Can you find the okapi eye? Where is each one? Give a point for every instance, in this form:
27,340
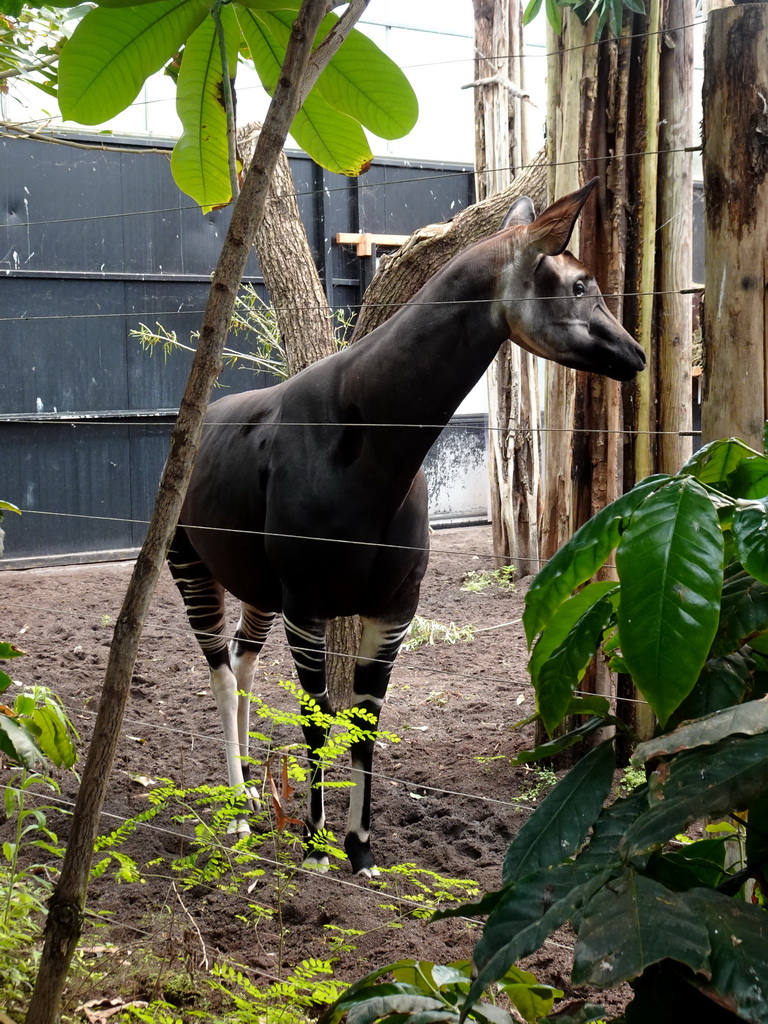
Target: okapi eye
578,288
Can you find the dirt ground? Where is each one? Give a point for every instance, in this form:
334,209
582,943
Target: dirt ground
445,798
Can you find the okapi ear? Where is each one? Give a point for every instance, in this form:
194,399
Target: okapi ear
520,213
551,231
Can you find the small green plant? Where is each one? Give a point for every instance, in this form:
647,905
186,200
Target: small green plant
252,317
423,991
25,882
477,580
427,631
419,892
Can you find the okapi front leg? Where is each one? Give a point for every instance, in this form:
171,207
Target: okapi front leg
379,645
307,642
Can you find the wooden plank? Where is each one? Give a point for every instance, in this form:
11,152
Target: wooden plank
365,240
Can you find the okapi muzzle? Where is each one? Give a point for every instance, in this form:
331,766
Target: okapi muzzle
308,499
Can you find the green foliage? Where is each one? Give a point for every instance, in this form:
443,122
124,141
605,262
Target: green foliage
252,317
118,45
650,901
424,991
608,13
36,727
691,607
28,871
477,580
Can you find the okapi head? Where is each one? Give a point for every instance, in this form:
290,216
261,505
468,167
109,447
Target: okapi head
551,301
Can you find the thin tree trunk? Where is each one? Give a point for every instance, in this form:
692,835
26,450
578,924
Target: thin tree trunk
572,74
67,903
675,214
513,401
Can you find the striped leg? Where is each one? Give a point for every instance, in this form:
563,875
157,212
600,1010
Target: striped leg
379,645
306,639
204,603
251,633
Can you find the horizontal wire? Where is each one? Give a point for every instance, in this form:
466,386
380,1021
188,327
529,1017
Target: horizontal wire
438,176
281,536
259,858
186,632
137,419
24,318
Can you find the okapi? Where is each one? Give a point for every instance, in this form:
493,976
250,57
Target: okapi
308,498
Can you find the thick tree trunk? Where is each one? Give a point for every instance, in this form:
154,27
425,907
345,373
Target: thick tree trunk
295,289
736,191
67,903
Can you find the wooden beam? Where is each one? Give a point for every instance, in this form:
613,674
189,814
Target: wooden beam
365,241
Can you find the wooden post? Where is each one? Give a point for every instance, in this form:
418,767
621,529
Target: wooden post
735,325
675,234
513,404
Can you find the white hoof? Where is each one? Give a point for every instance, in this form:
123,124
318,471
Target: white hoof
239,827
321,864
368,872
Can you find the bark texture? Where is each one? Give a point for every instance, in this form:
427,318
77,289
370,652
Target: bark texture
736,225
513,398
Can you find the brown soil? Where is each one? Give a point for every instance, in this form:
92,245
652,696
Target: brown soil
445,797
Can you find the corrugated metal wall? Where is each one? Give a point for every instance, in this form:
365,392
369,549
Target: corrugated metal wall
95,241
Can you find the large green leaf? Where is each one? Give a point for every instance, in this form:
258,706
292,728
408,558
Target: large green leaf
738,961
714,462
559,825
329,136
670,564
610,827
113,51
200,160
579,558
702,783
360,80
743,611
723,682
18,744
691,866
53,737
747,719
527,913
750,534
566,647
750,478
634,922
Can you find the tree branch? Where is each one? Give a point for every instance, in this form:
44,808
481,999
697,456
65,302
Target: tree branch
331,44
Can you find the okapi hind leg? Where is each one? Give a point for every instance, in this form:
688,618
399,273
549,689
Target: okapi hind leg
379,645
306,638
204,603
250,636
